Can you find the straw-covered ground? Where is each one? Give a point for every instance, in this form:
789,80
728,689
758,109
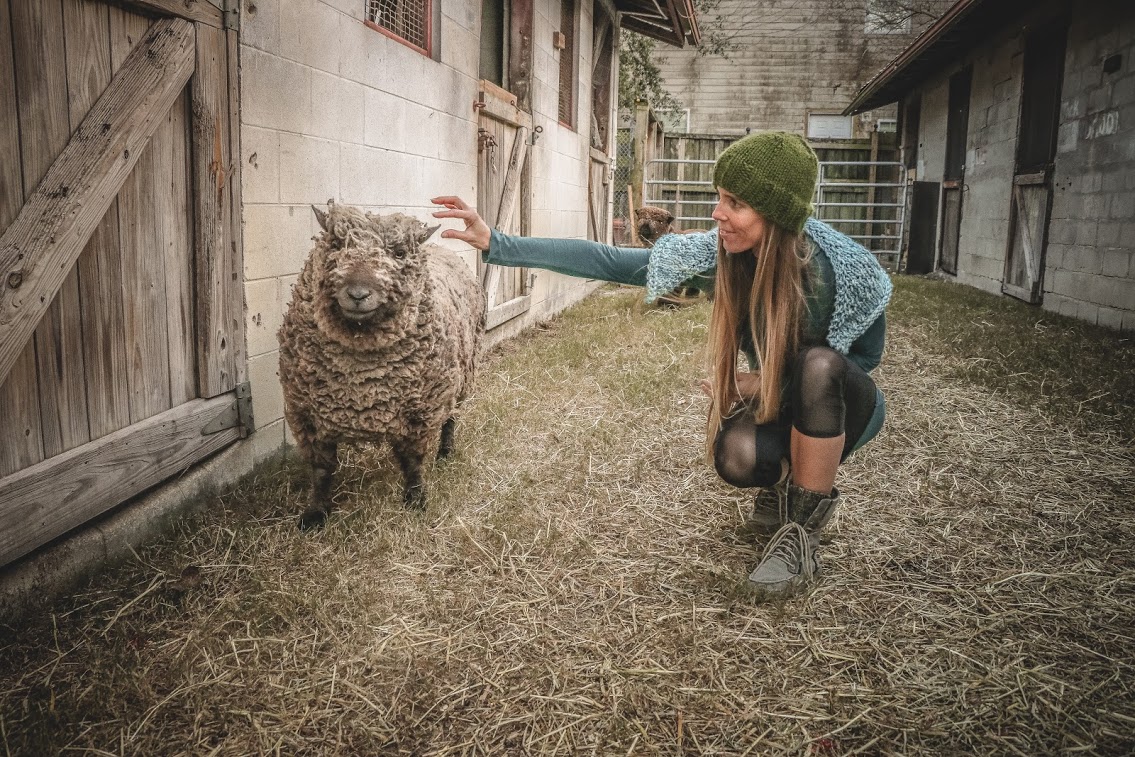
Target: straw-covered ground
573,587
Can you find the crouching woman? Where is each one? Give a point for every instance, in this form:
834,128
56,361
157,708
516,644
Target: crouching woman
804,304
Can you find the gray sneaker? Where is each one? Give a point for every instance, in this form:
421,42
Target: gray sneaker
791,561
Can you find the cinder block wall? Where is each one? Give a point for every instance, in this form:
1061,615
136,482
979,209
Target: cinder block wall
1090,267
991,145
334,110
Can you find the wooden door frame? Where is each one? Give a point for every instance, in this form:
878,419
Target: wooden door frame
501,106
191,43
954,183
1034,294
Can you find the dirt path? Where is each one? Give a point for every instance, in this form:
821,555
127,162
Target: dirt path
572,588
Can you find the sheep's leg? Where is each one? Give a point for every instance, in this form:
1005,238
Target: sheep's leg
446,447
324,463
414,491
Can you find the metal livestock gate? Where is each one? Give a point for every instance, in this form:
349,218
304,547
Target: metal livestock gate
864,199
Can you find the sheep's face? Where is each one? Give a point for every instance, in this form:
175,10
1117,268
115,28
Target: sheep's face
373,265
653,223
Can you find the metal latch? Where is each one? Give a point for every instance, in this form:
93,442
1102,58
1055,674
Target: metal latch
238,414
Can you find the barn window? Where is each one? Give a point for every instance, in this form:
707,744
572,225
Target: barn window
408,21
567,62
888,17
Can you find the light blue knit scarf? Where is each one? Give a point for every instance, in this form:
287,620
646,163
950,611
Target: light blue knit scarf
862,287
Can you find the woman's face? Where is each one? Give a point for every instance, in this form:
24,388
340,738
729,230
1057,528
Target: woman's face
741,228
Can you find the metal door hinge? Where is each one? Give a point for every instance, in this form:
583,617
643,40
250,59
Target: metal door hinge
237,415
232,15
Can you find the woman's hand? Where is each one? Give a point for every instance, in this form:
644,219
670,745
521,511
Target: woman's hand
476,231
748,387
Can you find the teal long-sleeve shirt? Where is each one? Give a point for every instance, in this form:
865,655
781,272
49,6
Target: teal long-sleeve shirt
627,265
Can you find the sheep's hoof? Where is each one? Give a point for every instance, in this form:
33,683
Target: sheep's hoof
414,499
313,519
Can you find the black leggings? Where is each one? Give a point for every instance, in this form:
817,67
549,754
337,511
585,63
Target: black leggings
828,395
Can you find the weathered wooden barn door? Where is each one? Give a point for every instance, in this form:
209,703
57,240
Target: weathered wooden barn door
121,323
1031,202
504,125
501,180
953,180
599,174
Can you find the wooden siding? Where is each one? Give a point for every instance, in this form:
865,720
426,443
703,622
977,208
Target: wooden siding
791,56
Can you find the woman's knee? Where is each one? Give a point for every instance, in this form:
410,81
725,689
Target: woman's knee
747,455
819,366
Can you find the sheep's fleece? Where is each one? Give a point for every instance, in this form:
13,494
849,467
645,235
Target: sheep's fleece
395,371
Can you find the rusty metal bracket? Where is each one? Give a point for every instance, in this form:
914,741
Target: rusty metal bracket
231,15
237,415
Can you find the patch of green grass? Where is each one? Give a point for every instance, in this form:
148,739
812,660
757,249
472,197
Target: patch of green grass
1075,371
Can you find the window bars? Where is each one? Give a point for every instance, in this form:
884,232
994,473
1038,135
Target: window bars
408,20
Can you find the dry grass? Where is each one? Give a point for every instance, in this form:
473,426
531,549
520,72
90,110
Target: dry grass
572,588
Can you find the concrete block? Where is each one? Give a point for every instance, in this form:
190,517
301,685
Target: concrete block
309,34
1109,317
1087,311
1109,234
260,174
1128,320
267,396
277,239
1068,138
1096,206
336,108
364,173
360,60
1083,259
263,315
309,169
457,139
424,133
1099,98
260,25
385,123
1122,206
461,48
1061,232
1058,303
275,93
1116,263
1123,91
1117,293
1086,232
349,8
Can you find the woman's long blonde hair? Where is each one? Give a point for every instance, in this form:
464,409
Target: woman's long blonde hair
763,290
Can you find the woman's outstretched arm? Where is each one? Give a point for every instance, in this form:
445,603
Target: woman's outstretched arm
573,257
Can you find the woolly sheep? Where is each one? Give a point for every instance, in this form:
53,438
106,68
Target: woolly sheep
379,344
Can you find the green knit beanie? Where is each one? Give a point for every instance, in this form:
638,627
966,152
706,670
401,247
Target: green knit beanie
775,172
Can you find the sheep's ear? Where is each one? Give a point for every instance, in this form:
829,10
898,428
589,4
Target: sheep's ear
321,216
424,232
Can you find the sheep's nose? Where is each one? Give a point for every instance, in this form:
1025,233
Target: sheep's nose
358,293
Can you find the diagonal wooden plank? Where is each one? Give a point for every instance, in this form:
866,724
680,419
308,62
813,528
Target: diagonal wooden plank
509,194
203,11
40,247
